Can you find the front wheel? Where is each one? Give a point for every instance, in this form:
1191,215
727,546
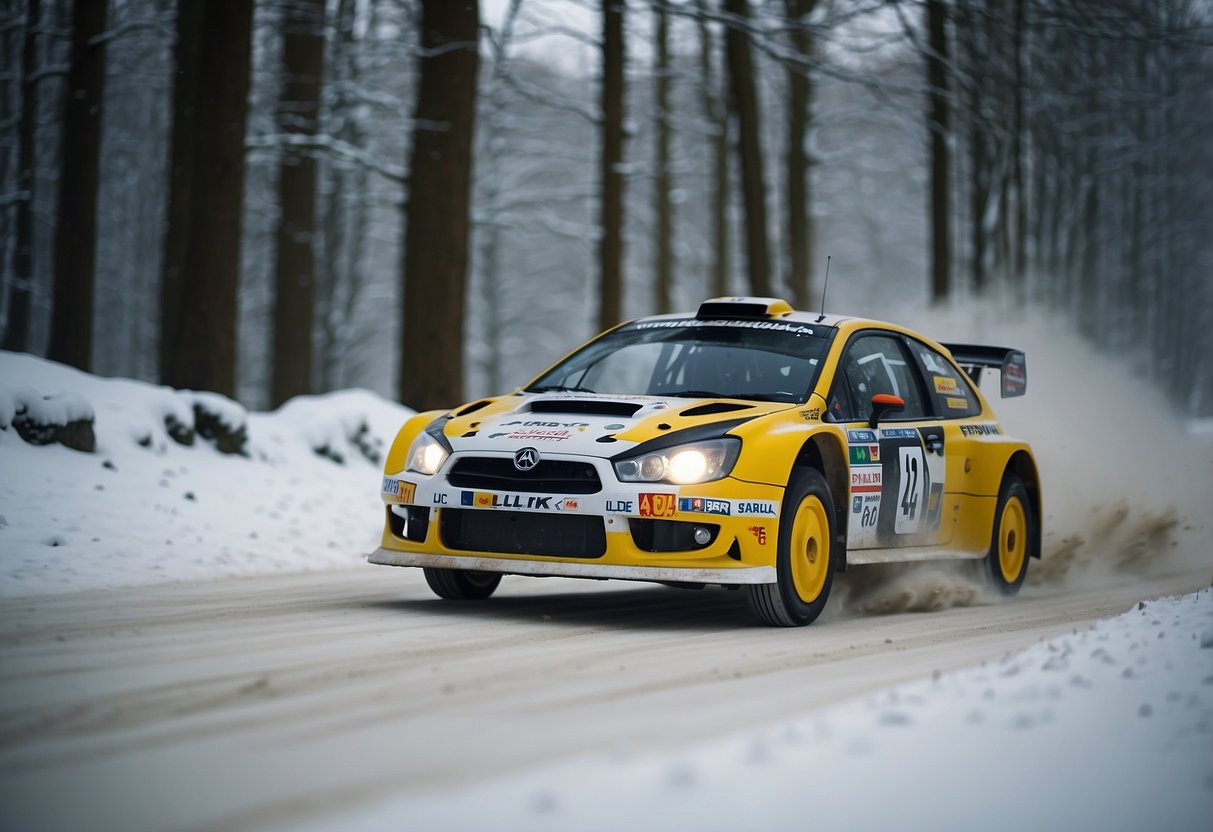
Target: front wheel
804,564
461,584
1012,540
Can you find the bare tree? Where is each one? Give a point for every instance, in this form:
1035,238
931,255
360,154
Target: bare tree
436,230
749,145
938,119
79,178
716,110
610,247
295,265
16,333
663,266
202,244
799,218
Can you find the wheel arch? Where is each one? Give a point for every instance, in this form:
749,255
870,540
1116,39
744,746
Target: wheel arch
1022,465
824,453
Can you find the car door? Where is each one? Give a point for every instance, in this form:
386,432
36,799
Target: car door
898,467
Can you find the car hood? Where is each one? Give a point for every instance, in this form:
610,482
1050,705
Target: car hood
588,424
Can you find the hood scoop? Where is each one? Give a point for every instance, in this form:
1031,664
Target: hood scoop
590,406
713,408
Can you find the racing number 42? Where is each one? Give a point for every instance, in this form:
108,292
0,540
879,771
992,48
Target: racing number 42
912,484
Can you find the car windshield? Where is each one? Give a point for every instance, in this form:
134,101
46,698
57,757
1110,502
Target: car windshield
773,361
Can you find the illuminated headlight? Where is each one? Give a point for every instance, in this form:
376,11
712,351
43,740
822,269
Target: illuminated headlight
426,455
684,464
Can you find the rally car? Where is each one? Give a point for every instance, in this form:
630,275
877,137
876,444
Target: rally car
745,445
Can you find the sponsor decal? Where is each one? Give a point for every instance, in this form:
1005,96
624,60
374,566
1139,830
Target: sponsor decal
868,510
534,424
779,326
946,386
957,404
856,504
540,434
401,490
861,436
985,429
619,507
813,414
756,508
898,433
864,454
760,534
658,505
532,502
704,505
568,504
439,499
866,479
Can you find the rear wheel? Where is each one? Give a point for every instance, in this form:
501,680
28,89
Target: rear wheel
1012,541
461,584
804,566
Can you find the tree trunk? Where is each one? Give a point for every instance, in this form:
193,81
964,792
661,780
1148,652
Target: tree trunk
749,146
662,207
295,268
716,111
610,247
16,332
800,219
202,244
1019,263
938,124
436,231
71,340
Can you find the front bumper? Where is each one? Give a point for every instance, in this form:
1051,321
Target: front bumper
643,532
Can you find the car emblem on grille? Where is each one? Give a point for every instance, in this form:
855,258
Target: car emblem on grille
526,459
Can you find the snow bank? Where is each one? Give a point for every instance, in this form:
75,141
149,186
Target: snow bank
145,508
1109,728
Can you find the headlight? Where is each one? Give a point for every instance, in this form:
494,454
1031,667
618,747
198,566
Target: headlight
683,464
426,454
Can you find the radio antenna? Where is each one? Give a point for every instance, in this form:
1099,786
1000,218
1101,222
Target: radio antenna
823,291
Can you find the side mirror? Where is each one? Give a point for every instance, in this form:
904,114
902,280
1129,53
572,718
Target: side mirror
882,405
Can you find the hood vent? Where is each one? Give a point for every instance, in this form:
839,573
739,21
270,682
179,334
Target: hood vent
599,408
713,408
472,408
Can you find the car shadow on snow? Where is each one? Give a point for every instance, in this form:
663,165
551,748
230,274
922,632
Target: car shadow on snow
640,608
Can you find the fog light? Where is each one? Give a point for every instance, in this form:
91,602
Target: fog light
701,535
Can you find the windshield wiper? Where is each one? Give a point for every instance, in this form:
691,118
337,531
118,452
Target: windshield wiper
713,394
559,388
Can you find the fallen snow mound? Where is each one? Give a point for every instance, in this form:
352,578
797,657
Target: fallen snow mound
299,493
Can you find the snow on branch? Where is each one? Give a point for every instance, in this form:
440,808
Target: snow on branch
329,146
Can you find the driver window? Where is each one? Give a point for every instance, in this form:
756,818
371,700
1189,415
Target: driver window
874,364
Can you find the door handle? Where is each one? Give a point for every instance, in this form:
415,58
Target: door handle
934,443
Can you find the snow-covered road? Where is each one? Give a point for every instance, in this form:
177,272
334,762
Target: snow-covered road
269,702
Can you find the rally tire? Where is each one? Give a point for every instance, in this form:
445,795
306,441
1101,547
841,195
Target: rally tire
1013,540
461,584
803,563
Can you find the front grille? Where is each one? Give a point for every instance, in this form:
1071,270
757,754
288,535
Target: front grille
550,476
522,533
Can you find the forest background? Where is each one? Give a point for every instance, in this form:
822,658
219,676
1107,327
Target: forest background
434,200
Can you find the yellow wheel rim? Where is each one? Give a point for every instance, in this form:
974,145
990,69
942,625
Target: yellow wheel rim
810,548
1012,540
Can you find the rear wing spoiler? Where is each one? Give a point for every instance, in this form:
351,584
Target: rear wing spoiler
1011,363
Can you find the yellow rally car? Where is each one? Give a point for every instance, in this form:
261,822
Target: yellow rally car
747,445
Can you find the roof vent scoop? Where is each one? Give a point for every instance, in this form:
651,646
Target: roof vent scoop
734,309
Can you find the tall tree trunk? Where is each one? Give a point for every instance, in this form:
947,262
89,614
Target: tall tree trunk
610,247
436,231
202,244
1019,262
16,332
749,141
295,267
717,113
800,227
663,208
71,338
938,119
